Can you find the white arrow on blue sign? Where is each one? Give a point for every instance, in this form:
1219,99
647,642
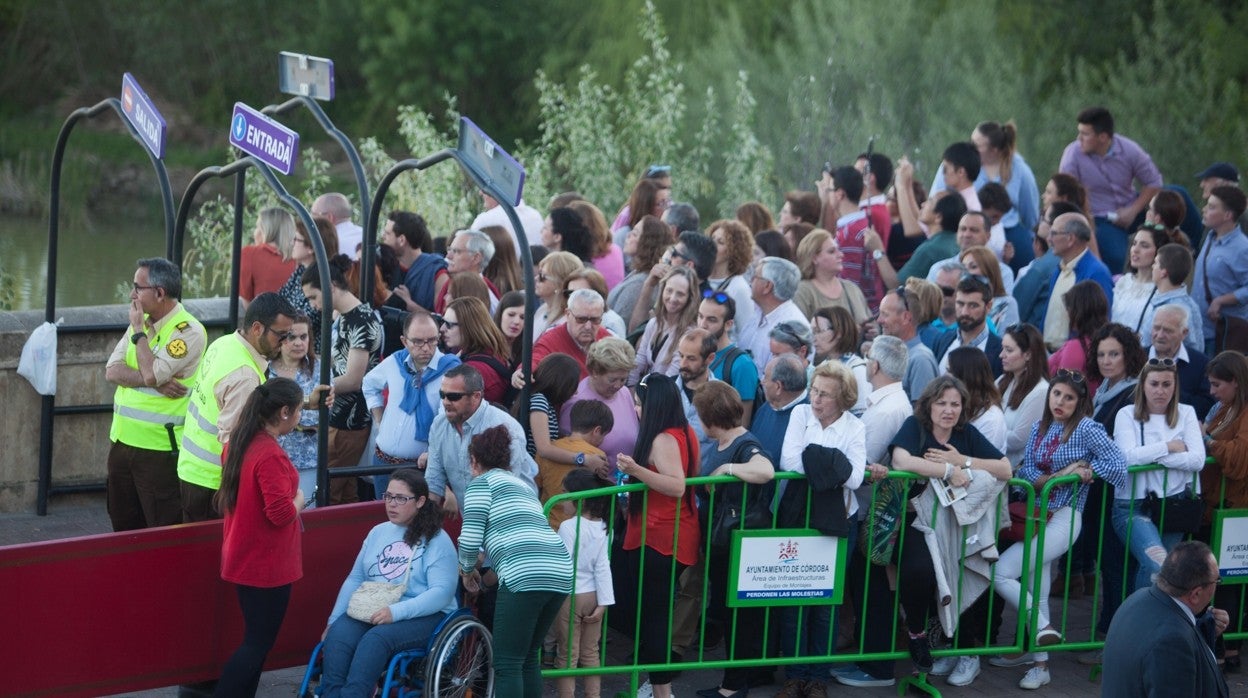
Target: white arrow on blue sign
257,134
143,115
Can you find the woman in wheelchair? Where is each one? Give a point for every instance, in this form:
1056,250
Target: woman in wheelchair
412,550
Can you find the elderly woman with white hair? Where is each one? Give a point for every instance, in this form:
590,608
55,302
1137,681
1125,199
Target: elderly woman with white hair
470,252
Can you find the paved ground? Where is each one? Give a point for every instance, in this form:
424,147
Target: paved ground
79,515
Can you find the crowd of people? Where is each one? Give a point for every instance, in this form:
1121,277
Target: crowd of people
968,333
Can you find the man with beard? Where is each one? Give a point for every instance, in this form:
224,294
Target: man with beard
693,353
233,366
731,363
971,303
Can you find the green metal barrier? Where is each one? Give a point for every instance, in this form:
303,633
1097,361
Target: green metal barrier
961,644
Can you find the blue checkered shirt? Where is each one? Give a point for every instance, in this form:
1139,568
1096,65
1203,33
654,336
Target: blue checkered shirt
1047,455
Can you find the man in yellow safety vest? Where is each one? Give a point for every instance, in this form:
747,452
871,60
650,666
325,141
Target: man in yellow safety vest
153,366
233,367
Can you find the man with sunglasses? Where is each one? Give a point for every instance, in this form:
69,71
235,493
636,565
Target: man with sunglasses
153,367
465,413
233,367
583,328
1160,642
731,364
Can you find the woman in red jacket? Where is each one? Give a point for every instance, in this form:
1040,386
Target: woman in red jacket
261,551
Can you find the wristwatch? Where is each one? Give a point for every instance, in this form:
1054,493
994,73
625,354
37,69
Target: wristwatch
877,255
580,458
968,464
134,338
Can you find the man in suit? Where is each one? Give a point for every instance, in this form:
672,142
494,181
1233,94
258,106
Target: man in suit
1161,640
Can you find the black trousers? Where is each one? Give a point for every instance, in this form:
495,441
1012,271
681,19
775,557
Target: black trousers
263,612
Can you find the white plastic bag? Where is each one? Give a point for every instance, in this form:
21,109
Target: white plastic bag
38,362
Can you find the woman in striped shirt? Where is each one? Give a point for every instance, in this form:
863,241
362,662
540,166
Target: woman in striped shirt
503,517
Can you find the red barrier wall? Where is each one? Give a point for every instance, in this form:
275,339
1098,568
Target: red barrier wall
143,609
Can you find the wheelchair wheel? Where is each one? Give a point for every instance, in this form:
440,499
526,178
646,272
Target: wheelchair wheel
461,662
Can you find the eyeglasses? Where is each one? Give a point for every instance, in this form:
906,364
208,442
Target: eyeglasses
281,336
947,291
1213,581
138,288
978,277
448,325
658,171
1072,376
795,334
583,319
1164,363
905,300
397,498
677,253
451,397
300,241
717,296
417,342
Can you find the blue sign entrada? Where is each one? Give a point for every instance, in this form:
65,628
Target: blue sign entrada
258,135
143,115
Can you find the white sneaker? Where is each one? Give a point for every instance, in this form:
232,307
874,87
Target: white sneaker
966,671
645,690
1035,677
944,666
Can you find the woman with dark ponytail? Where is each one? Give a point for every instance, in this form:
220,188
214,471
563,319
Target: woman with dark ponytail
261,553
356,652
356,351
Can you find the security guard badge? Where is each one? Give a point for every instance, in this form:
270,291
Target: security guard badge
176,348
182,325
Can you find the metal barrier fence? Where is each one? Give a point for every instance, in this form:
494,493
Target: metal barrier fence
698,609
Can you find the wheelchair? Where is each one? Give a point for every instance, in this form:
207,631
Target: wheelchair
457,663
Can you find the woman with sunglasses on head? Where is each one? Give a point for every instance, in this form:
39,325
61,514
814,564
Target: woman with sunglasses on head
1156,429
1066,441
410,549
675,311
1024,386
555,267
666,453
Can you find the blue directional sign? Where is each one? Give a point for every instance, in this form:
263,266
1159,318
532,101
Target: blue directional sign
258,135
143,115
490,162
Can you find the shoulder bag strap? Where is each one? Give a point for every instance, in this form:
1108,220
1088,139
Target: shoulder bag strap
1144,311
1204,265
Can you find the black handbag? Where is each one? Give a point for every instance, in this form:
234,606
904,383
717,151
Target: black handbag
736,509
1182,513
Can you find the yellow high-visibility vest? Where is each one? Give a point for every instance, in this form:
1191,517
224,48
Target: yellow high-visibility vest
199,461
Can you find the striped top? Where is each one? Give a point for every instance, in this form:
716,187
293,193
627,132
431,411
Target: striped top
502,515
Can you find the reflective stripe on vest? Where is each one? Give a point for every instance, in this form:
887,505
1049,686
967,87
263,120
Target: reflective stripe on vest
199,460
140,414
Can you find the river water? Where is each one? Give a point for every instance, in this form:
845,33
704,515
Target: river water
95,259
